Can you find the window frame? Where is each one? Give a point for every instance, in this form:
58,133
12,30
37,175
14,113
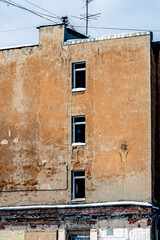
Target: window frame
109,232
74,143
74,70
82,233
73,178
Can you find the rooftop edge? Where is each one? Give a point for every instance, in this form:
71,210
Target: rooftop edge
19,46
86,40
108,37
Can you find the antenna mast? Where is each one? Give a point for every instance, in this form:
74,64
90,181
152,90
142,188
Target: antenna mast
88,16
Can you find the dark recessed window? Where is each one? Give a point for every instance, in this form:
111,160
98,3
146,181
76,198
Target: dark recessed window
78,129
78,185
79,75
78,235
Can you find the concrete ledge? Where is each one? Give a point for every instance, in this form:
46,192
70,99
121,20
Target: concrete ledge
103,204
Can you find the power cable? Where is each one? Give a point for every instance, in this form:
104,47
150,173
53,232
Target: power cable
26,9
42,9
18,5
107,28
21,7
80,26
14,30
73,25
126,29
95,29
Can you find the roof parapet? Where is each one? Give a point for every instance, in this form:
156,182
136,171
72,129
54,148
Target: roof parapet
108,37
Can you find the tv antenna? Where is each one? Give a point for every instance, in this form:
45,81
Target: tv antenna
88,16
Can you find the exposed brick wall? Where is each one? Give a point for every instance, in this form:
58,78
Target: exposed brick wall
64,216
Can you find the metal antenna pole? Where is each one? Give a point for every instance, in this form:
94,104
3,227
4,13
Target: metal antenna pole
88,16
87,1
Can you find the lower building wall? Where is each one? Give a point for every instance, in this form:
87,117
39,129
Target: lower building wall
28,235
95,234
78,223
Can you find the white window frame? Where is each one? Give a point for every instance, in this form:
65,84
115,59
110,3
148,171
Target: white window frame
73,185
74,88
74,143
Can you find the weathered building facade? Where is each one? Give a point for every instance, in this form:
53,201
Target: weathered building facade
79,137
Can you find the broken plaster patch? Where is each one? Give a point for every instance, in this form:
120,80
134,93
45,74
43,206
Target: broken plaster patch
9,133
4,141
15,140
44,161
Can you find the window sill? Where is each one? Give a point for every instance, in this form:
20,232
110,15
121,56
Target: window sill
78,200
78,144
78,90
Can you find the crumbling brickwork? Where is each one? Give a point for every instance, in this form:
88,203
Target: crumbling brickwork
81,217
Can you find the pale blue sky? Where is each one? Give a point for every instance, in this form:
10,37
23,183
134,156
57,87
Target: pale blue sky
132,14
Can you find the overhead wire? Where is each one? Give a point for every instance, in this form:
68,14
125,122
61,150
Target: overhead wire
42,9
127,29
95,29
42,15
73,24
53,15
80,26
14,30
30,10
12,3
92,27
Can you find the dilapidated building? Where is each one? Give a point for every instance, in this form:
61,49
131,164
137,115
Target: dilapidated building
79,137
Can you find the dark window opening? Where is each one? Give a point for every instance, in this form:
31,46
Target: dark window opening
79,75
78,185
78,129
78,235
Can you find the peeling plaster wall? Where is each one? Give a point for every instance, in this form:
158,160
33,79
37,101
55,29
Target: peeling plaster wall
36,105
117,109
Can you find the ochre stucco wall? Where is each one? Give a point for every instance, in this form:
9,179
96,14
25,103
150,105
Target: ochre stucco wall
37,104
